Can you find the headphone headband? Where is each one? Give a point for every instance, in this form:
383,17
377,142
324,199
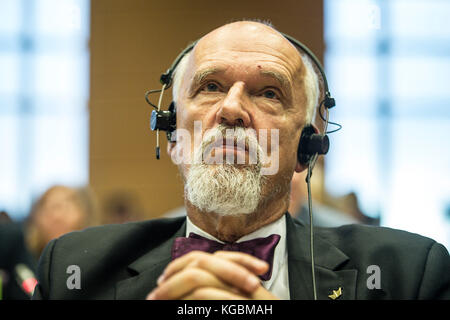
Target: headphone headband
166,78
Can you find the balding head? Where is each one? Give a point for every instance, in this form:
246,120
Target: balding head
245,36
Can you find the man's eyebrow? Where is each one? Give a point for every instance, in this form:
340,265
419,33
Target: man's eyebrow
200,75
281,78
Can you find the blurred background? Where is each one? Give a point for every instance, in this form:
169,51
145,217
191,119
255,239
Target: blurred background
73,74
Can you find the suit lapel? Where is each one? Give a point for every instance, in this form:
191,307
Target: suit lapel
146,270
329,273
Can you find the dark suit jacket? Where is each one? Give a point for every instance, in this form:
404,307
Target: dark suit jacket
124,262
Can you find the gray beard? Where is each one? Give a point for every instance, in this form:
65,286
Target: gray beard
225,189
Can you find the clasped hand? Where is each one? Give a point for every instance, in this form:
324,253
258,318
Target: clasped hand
223,275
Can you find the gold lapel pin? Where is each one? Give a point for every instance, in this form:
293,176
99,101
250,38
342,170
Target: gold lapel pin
336,294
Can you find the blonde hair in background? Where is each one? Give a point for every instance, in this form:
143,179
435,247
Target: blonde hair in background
83,198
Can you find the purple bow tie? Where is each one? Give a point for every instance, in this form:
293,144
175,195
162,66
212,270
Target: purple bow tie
261,248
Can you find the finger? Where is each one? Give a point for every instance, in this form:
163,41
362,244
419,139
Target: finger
183,282
208,293
262,294
180,263
251,263
229,271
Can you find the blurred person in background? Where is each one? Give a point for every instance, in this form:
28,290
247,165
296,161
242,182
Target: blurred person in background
59,210
328,211
4,217
122,207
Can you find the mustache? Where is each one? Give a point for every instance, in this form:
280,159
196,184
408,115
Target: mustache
232,141
237,137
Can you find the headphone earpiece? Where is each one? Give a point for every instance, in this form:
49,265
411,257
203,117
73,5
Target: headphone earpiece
310,144
164,120
329,102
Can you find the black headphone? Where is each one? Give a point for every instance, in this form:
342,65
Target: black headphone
311,143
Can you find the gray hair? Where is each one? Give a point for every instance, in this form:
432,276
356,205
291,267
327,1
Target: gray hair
311,84
178,76
312,88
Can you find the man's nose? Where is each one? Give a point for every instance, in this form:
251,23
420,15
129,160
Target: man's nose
232,111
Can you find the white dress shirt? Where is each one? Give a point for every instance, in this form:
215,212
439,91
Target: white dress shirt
278,284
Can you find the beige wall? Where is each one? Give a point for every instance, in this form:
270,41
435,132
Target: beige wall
132,43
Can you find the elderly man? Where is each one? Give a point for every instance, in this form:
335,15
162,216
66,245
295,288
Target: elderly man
238,241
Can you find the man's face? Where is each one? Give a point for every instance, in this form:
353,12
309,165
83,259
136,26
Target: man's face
246,74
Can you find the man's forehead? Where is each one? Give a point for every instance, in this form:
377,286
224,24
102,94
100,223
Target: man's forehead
246,39
243,31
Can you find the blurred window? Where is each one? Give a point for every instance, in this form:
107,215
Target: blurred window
44,86
388,64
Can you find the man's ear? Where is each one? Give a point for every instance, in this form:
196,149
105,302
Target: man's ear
171,148
300,166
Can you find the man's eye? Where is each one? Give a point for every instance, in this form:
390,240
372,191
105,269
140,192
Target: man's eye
211,87
270,94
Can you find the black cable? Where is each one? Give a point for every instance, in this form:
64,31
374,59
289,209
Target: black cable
147,99
325,120
153,91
